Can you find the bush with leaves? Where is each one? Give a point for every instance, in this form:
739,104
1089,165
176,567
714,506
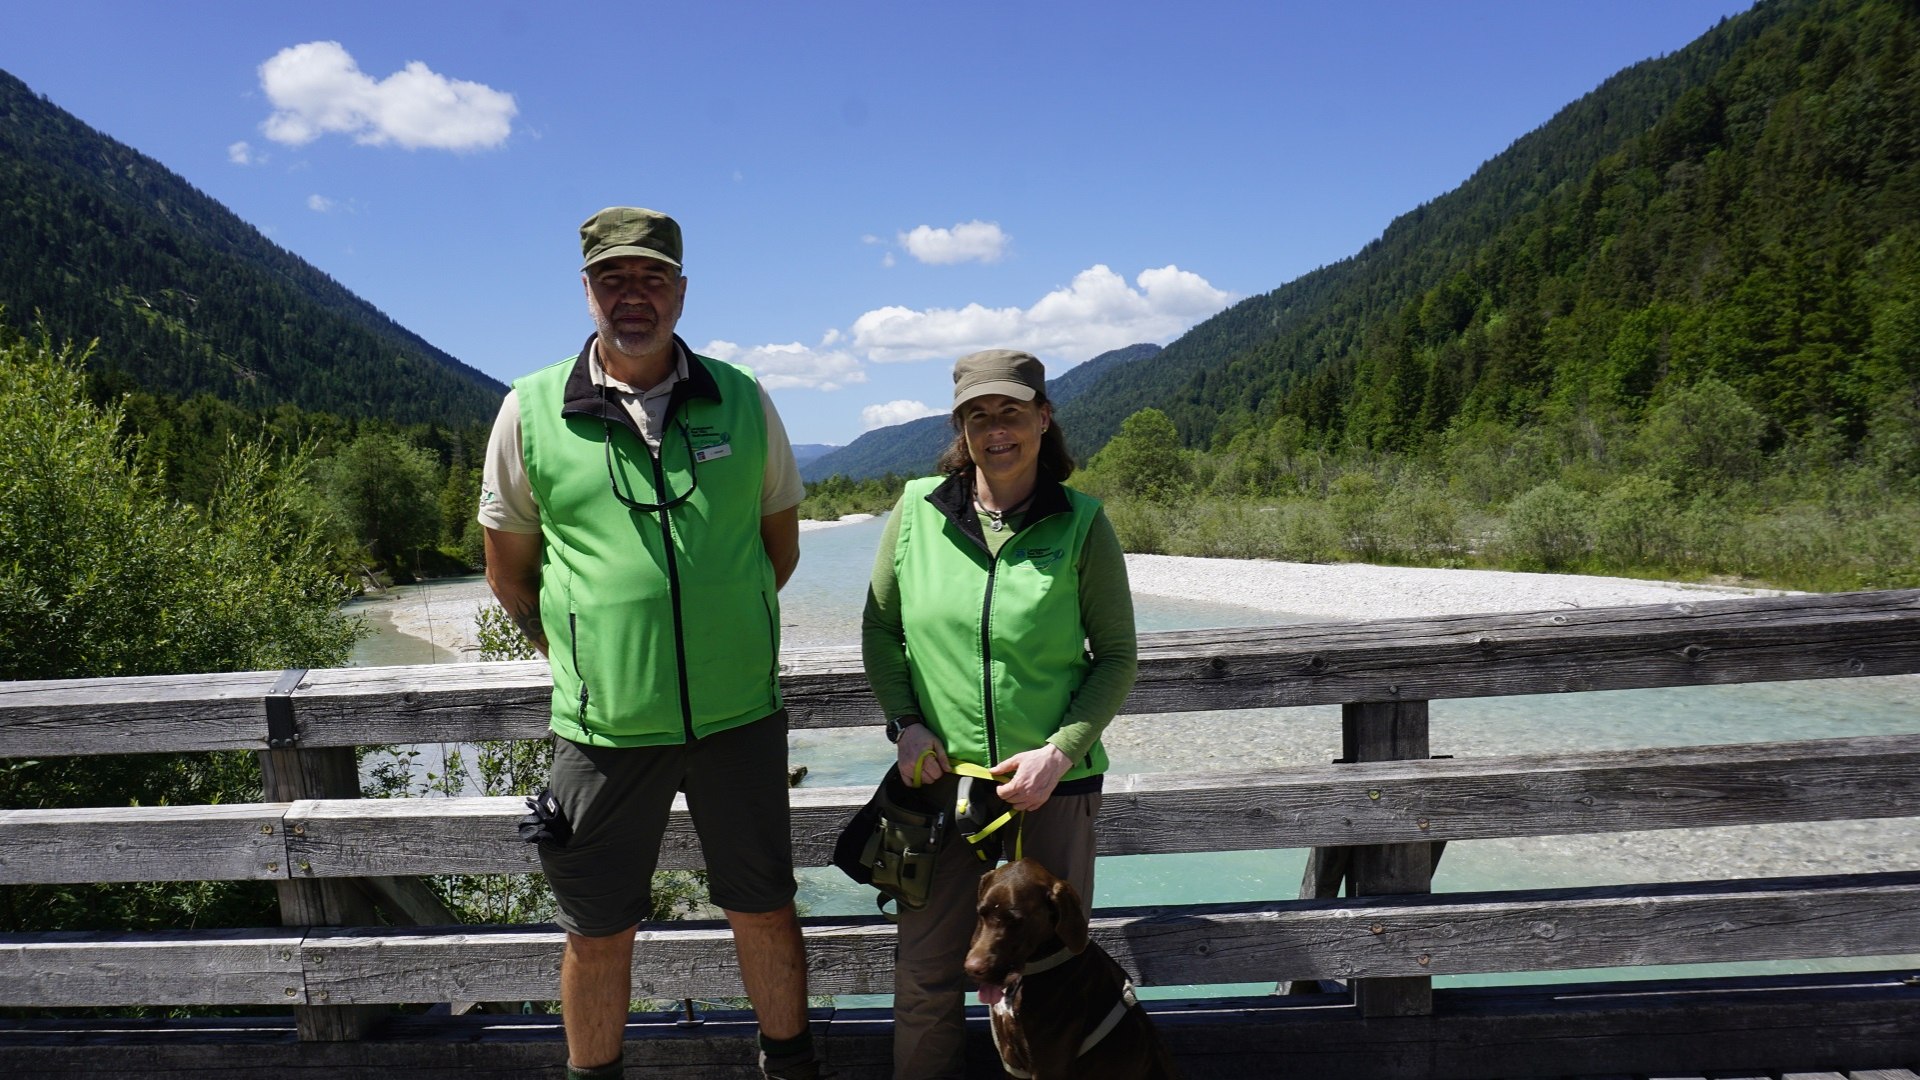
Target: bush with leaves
103,574
1547,527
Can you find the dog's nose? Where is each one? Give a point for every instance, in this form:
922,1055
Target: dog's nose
976,968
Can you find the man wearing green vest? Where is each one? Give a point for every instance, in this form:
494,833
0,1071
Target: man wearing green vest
640,504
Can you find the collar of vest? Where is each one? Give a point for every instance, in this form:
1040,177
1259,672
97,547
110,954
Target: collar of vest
954,499
583,398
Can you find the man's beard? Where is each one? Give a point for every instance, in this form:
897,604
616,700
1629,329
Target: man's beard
630,344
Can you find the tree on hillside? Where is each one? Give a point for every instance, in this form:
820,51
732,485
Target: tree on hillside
388,491
1145,460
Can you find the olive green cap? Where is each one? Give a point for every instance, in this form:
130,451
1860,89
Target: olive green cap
629,232
1010,372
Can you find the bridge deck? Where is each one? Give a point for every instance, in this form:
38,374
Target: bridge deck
1857,1026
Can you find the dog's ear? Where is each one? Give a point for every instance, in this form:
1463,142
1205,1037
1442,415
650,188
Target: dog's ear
1070,916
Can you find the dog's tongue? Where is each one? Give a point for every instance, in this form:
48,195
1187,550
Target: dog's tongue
990,993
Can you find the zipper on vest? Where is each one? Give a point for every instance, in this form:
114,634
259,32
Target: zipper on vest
673,591
986,657
986,641
573,646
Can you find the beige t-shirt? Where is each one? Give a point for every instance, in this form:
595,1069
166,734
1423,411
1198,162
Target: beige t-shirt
506,497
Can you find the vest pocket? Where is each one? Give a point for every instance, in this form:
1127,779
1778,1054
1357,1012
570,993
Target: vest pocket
573,646
773,641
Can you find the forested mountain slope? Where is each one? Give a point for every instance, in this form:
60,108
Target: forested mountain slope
100,241
1747,208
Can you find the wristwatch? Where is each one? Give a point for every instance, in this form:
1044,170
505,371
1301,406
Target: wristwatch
899,724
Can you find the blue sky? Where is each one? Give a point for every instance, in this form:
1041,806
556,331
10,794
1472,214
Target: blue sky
868,190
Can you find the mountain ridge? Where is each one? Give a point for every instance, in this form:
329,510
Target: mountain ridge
910,448
104,242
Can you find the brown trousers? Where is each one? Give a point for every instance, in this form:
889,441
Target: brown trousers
929,985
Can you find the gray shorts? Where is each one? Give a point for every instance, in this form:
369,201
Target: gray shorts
617,800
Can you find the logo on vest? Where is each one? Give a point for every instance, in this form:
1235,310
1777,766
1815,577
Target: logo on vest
1040,558
709,443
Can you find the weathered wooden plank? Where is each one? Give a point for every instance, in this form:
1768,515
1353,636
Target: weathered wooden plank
1326,806
424,703
1711,642
1469,933
134,715
143,843
1881,1074
207,967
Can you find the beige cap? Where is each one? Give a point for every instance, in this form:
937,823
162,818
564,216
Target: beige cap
1009,372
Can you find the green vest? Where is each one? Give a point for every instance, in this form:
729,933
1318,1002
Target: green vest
662,624
995,646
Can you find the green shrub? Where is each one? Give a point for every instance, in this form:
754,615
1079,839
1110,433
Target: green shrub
1357,506
1633,522
1546,528
102,574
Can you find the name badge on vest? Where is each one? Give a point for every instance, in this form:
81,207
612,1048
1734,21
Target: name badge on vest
710,453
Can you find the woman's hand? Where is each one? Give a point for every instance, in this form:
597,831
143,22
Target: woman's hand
917,739
1035,774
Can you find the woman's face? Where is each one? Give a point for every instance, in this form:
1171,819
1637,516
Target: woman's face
1003,435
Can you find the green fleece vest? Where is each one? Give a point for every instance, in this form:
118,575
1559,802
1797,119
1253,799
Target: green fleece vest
994,644
662,625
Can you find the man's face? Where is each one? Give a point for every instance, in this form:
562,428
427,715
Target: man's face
636,303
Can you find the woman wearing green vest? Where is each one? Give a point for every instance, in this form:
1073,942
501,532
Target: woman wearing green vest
998,634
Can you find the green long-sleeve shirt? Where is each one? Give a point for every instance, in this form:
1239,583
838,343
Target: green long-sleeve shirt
1106,611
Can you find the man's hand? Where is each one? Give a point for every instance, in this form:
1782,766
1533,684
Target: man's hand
513,572
917,739
1036,772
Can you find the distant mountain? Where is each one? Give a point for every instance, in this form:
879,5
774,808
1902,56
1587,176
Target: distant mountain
805,452
101,241
907,449
1746,208
910,449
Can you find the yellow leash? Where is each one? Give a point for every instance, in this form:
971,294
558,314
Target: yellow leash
978,772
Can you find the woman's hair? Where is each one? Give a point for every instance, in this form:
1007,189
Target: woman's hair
1056,463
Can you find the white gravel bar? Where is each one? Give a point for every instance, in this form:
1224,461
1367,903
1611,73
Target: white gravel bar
1363,591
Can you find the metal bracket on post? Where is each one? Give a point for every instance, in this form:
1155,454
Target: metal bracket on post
281,732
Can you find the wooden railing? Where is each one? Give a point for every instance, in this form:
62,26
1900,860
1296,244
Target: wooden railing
1376,821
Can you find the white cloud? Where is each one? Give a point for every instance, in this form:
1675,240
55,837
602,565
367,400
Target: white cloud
977,241
893,412
794,366
1097,312
319,204
241,153
887,259
318,89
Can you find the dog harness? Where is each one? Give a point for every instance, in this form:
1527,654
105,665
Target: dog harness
1127,1001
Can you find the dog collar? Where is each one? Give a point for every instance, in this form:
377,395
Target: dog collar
1048,962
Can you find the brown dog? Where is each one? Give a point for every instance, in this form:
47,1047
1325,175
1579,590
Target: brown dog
1061,1007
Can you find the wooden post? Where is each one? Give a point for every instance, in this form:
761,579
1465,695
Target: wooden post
288,774
1389,731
